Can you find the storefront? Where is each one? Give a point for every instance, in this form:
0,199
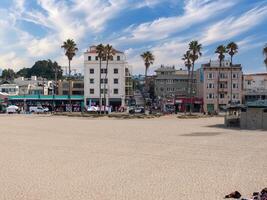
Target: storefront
52,102
183,104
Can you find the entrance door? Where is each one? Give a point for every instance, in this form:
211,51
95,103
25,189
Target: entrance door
210,108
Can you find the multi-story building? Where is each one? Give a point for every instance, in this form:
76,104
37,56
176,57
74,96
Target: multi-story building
217,85
34,86
76,87
254,87
172,88
129,93
112,79
170,82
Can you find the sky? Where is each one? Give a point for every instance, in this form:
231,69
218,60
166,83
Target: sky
32,30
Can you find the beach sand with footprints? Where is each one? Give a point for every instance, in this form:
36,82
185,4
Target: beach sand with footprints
52,158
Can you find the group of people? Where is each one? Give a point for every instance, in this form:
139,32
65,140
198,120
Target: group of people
262,195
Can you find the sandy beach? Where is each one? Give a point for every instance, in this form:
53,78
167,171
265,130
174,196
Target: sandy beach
54,158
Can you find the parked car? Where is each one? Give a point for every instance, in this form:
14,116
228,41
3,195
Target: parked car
12,109
37,109
137,110
96,109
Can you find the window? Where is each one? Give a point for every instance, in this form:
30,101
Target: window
102,91
210,85
116,81
96,58
116,91
221,95
111,58
116,71
210,96
104,80
235,85
235,75
78,85
223,75
92,71
104,71
118,58
92,81
89,58
210,76
92,91
65,92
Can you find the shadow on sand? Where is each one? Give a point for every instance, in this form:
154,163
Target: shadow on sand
202,134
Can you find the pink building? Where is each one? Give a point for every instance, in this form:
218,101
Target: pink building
217,85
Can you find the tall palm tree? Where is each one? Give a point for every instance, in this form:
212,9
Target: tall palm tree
100,50
148,59
195,52
188,65
232,49
108,53
70,48
221,50
264,51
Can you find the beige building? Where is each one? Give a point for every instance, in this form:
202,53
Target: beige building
217,85
77,87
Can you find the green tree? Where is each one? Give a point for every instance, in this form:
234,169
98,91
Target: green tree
70,48
264,51
100,50
8,74
195,52
42,68
232,49
221,50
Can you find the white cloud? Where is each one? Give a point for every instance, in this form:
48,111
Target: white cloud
195,11
234,26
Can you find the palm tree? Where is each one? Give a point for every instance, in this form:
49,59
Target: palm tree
195,53
221,50
100,50
188,65
264,51
109,52
70,49
148,59
232,49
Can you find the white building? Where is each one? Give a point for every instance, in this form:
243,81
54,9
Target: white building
9,89
254,87
34,85
115,82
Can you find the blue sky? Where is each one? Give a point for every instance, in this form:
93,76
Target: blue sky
35,29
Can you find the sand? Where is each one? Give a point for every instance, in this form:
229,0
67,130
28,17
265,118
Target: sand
106,159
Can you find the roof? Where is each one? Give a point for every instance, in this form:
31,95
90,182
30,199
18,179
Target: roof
46,97
92,49
256,74
209,65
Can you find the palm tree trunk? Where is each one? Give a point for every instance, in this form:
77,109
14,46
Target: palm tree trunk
191,89
100,98
188,88
231,69
105,100
70,88
218,87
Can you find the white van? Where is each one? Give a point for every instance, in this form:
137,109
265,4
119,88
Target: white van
36,109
